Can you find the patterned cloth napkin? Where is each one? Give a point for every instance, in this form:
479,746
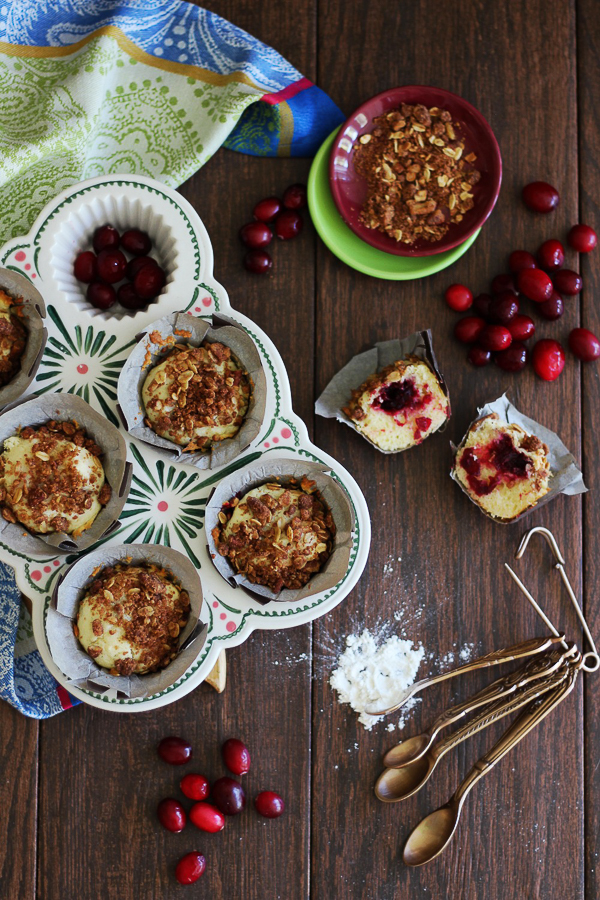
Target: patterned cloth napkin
154,87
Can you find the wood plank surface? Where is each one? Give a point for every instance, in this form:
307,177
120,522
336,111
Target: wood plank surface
435,573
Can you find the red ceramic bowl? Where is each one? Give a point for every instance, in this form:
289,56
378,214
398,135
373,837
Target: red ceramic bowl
349,189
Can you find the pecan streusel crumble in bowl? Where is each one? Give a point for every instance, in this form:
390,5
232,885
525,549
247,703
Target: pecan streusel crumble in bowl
193,389
282,530
22,334
127,618
63,474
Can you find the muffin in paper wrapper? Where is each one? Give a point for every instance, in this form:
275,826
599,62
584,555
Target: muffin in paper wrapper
61,407
68,653
31,313
565,476
187,329
338,392
282,471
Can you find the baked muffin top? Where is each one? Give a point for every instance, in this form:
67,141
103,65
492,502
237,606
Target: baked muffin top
52,479
276,535
130,618
196,396
13,338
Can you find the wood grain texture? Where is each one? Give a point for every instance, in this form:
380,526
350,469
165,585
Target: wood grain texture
18,804
436,562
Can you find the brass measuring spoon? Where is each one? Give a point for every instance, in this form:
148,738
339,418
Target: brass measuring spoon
399,784
517,651
412,748
435,832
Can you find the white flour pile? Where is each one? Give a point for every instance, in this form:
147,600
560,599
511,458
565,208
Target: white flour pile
372,674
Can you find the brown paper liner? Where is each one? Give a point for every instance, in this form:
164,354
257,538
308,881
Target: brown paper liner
36,411
148,354
32,311
282,471
69,655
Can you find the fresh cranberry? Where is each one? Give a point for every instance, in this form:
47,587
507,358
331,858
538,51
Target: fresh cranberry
258,261
495,337
190,867
458,297
269,804
195,786
482,304
101,295
175,750
136,242
288,224
548,359
501,283
584,344
551,254
582,238
171,815
479,357
535,284
236,756
228,796
267,210
504,307
149,281
467,330
540,196
294,197
552,308
111,266
105,238
521,328
207,817
84,267
129,299
255,235
521,259
567,282
514,359
138,262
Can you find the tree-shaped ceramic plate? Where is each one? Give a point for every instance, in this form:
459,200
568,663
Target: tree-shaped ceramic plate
85,352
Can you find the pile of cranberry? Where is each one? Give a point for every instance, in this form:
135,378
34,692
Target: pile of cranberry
227,795
499,330
283,217
141,276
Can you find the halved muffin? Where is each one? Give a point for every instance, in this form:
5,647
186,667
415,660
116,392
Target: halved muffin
503,469
400,406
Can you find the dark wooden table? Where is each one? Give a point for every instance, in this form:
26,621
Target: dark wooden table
78,792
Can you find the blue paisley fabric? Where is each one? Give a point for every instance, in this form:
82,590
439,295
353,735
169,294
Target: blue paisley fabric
90,87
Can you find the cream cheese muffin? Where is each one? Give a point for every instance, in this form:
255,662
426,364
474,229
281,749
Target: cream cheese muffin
276,535
52,479
400,406
197,396
13,339
503,469
130,618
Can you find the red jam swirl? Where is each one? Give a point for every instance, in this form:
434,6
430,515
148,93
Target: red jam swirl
399,396
511,465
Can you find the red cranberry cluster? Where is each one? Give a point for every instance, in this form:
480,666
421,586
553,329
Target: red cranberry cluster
284,219
227,796
499,330
109,265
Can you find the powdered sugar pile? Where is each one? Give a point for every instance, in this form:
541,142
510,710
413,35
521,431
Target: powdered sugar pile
372,674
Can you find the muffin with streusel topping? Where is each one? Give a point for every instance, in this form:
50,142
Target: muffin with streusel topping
13,338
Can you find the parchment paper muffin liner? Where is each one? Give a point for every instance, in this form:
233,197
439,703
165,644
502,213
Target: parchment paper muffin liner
66,408
565,476
338,392
282,471
69,655
187,329
32,311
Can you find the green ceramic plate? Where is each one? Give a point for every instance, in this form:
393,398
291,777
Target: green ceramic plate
348,247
